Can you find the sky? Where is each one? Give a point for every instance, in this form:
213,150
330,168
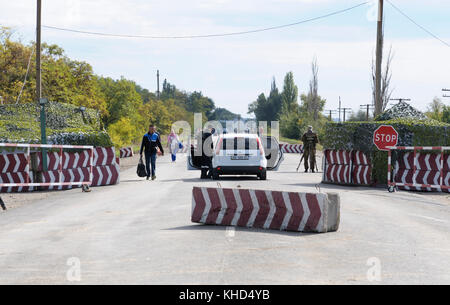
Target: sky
234,70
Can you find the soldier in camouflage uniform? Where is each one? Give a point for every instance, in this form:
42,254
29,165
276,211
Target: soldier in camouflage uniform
310,140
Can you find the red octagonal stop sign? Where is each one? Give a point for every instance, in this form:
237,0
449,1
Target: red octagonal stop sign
385,136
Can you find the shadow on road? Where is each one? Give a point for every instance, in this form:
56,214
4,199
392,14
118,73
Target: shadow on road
332,186
231,178
135,180
202,227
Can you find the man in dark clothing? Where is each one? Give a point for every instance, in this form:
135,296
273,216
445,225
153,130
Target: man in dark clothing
150,142
310,140
207,150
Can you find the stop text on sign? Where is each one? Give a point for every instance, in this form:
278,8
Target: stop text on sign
386,137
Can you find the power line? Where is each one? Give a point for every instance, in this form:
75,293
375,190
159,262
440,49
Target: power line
423,28
209,35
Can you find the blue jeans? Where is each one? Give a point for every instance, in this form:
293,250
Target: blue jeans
150,159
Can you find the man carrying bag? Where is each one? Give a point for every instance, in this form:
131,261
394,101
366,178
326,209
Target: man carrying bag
150,143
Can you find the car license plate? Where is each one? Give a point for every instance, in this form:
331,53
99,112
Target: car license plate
239,157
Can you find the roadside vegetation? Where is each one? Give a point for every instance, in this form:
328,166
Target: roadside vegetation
125,108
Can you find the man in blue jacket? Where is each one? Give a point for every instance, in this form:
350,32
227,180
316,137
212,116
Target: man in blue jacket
150,142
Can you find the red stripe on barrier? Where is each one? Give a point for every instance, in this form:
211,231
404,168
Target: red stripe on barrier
215,206
315,213
297,211
231,205
200,204
280,212
247,208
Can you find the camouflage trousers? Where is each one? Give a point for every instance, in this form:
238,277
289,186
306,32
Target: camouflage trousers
311,155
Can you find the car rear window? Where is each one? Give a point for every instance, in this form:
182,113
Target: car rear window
240,143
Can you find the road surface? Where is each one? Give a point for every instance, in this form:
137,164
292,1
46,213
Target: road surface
139,232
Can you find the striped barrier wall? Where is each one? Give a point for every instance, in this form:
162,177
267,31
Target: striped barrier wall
291,148
338,166
289,211
14,168
126,152
424,172
101,176
362,169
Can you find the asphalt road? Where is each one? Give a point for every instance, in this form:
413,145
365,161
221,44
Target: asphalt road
139,232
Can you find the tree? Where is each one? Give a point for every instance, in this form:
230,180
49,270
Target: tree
386,76
446,114
275,103
436,109
312,104
360,116
259,108
290,94
121,98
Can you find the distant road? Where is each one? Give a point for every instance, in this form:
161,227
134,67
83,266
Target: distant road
139,232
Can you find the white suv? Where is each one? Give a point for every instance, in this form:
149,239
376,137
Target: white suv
241,154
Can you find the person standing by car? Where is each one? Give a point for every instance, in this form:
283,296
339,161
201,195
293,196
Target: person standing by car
207,150
150,144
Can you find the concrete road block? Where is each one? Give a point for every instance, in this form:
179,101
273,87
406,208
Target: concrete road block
275,210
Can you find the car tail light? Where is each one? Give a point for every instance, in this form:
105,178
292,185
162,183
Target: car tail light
219,146
261,150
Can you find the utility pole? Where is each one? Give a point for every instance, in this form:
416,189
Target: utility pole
339,109
39,98
345,110
367,107
401,99
330,113
446,90
157,81
379,60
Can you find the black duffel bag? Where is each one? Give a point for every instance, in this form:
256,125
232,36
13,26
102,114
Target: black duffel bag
141,172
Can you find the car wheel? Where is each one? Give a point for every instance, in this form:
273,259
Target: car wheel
215,175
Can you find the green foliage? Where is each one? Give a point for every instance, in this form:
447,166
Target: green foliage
291,125
63,80
126,108
359,136
66,124
446,115
289,94
122,132
222,114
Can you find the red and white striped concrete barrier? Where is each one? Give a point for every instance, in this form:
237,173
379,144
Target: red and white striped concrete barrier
291,148
430,161
69,160
104,156
101,176
338,173
418,170
106,175
362,174
338,166
19,177
290,211
68,175
342,157
362,169
14,169
13,163
427,171
126,152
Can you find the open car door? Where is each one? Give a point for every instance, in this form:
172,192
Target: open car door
274,154
193,162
